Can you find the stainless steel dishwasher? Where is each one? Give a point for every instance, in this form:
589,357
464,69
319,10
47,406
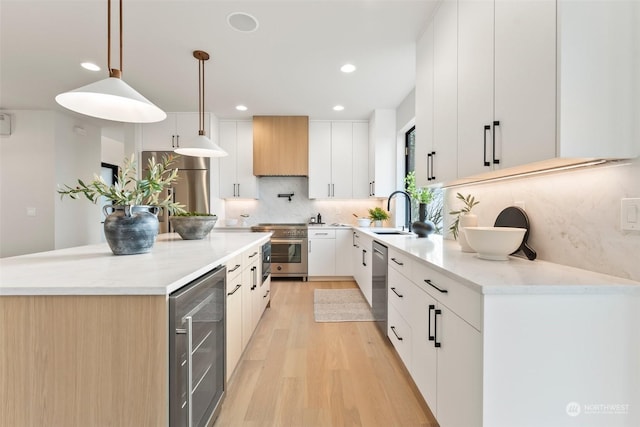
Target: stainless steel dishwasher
379,286
197,350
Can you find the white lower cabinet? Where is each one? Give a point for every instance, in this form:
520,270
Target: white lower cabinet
234,313
250,276
322,251
361,251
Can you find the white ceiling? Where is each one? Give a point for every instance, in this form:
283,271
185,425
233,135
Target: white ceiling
289,66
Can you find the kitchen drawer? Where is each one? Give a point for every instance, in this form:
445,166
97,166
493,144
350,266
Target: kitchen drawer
250,256
401,262
234,268
398,291
321,234
463,301
399,332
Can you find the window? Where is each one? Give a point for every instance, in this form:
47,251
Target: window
410,151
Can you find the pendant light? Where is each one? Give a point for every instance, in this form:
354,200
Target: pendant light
112,98
201,146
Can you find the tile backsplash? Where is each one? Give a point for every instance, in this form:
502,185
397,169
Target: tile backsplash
271,208
574,214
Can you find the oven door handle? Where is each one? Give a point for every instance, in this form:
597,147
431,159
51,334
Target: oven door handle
286,242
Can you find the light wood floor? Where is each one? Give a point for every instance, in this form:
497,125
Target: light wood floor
296,372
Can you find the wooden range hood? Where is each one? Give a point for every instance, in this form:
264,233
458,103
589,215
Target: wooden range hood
281,145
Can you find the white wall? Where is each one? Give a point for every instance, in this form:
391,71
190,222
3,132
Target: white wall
574,215
44,151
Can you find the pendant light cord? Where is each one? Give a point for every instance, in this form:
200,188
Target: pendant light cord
113,72
201,95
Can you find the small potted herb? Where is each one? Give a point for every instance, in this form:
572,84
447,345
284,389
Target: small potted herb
377,215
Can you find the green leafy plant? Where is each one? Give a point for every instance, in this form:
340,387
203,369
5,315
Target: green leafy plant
469,202
128,189
421,195
378,214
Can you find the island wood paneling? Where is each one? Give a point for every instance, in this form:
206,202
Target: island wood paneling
83,361
281,145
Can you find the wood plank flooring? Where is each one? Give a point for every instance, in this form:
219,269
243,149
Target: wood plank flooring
296,372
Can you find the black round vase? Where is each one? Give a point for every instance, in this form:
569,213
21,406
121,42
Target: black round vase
131,230
423,227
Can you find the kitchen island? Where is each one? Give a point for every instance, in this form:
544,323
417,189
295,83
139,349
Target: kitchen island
513,343
84,333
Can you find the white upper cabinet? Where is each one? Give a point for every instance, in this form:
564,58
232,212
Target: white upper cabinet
599,83
506,84
335,157
175,129
236,169
382,152
436,98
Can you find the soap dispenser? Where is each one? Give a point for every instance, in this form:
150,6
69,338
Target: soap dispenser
319,219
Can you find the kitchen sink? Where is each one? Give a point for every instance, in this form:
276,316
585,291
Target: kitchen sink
390,231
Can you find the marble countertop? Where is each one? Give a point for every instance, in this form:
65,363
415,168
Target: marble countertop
94,270
514,276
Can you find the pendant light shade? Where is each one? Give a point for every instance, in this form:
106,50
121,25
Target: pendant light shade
200,145
112,98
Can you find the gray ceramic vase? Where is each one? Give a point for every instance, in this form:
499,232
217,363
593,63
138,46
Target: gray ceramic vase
131,230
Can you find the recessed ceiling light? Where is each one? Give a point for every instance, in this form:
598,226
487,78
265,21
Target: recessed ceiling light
241,107
90,66
338,108
348,68
242,22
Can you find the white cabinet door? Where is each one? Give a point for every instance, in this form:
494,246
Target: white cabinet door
234,322
188,125
160,136
475,86
399,333
228,142
236,169
445,121
365,283
319,159
424,106
247,181
321,258
344,247
341,160
382,149
525,81
459,379
247,312
360,162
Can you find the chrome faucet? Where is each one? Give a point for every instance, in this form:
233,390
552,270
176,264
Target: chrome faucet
407,213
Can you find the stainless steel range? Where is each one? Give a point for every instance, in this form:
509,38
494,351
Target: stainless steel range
289,247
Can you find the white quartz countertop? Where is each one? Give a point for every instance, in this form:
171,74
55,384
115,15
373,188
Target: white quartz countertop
514,276
94,270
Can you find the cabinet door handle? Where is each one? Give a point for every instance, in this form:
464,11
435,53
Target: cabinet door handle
396,261
173,141
373,187
234,291
433,154
266,294
177,141
495,123
484,152
428,282
393,329
431,337
329,190
333,190
395,292
309,246
364,261
429,167
238,189
435,328
254,283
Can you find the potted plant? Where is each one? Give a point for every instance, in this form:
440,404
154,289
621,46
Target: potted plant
377,215
464,218
132,226
423,196
193,225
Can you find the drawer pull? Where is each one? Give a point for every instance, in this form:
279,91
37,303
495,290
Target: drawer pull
431,337
321,234
428,282
435,329
393,329
396,261
395,292
237,266
253,254
266,294
235,290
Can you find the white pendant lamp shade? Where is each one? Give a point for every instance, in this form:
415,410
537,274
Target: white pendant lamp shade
111,99
201,146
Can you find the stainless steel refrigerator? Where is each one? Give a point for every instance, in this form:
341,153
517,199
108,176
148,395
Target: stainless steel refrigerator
190,189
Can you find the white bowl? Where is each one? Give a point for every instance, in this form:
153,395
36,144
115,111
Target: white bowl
494,243
364,222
